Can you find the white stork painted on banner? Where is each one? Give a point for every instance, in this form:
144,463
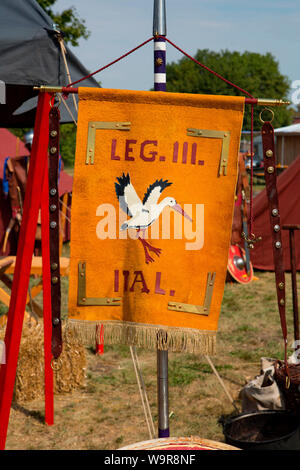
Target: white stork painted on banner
143,214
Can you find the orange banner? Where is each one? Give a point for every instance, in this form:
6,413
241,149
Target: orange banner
152,206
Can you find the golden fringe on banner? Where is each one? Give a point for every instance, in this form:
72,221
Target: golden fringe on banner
146,336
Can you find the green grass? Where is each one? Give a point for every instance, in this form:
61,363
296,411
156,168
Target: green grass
184,370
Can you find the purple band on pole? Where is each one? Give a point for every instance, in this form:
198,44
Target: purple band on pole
160,64
160,87
164,432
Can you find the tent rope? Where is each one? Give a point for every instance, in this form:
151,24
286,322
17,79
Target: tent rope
143,393
64,53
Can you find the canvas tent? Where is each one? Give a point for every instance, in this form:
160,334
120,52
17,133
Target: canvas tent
289,205
31,55
10,146
287,143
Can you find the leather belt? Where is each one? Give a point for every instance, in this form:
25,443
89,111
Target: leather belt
56,344
267,133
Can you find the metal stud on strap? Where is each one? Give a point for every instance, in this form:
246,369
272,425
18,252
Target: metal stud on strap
56,346
268,142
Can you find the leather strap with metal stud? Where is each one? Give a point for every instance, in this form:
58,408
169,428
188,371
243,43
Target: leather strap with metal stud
267,133
56,345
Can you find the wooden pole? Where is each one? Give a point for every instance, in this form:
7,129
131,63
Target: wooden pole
32,203
291,228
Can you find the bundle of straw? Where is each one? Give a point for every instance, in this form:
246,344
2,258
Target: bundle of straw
29,384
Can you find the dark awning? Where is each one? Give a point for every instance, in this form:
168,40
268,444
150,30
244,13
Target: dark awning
30,55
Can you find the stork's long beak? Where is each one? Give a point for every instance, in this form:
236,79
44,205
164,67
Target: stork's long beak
179,209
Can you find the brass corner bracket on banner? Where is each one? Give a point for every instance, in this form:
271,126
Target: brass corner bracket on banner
212,134
93,126
83,300
197,309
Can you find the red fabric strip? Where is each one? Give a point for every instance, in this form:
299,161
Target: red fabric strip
210,70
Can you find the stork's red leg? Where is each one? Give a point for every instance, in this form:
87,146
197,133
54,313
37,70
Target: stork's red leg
148,258
149,247
155,250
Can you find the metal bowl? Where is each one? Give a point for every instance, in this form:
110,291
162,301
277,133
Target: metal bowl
264,430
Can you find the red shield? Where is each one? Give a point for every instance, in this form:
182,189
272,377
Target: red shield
237,265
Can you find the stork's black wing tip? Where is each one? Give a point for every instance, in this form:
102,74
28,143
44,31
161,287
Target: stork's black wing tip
124,181
162,184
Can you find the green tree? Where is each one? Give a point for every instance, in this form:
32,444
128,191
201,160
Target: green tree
68,22
256,73
68,143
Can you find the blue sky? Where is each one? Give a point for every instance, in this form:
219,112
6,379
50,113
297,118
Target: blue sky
119,25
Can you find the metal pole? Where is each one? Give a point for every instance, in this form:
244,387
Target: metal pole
159,18
163,393
159,29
